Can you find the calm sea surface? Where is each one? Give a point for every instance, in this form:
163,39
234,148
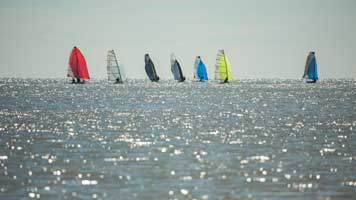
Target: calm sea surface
250,139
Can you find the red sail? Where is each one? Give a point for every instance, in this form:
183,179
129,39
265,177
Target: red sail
78,64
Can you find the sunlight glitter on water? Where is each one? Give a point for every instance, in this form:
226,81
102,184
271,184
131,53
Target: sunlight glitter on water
250,139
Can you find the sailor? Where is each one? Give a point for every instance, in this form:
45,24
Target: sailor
118,80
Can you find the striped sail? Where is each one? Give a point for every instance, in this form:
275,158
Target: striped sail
176,69
311,68
113,68
223,70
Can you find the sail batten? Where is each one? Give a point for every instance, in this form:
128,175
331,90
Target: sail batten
223,69
176,69
150,69
77,68
113,68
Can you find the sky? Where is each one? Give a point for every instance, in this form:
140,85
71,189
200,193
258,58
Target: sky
261,38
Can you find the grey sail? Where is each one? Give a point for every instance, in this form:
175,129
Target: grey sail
309,57
150,69
176,69
113,68
195,68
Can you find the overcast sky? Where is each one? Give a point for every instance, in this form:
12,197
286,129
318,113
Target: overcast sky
262,38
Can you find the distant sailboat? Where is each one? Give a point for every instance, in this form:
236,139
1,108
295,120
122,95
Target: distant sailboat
311,68
223,70
176,69
77,69
200,72
150,69
113,68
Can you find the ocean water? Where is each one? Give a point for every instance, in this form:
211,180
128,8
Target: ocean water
250,139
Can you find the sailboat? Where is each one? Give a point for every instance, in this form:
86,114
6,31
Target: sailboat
200,72
113,68
223,70
176,69
150,69
77,69
311,68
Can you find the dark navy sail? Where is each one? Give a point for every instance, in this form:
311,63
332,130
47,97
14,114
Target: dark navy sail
176,69
150,69
311,68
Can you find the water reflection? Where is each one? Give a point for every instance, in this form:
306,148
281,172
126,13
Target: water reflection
251,139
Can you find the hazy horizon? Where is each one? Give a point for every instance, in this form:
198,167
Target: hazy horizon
269,39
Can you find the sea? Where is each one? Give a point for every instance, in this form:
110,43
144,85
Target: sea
250,139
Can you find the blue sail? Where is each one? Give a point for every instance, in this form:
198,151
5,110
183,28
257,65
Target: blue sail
201,71
313,69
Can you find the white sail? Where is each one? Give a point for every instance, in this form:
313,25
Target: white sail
220,56
113,68
174,67
122,71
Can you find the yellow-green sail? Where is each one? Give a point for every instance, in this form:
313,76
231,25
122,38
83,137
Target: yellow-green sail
223,70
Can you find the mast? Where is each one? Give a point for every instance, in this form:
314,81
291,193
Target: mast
227,75
76,56
154,71
194,71
117,65
179,70
182,78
